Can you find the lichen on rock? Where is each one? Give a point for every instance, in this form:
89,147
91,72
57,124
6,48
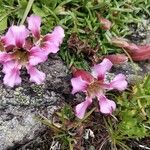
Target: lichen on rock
19,105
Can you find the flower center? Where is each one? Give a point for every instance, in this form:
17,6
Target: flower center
1,46
94,88
21,55
39,41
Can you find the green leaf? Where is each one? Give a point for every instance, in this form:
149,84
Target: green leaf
3,24
22,5
50,3
38,11
10,2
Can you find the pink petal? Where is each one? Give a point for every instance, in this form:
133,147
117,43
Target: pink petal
119,82
99,70
9,65
35,75
9,48
78,85
85,75
29,43
4,57
56,37
82,107
106,106
34,23
15,35
12,77
8,39
58,34
49,47
36,56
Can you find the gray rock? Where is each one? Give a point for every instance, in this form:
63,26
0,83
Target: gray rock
134,72
19,105
147,27
140,34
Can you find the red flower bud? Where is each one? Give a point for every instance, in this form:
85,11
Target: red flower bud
117,58
106,24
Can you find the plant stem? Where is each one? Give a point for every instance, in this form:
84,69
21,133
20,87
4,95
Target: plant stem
26,11
141,107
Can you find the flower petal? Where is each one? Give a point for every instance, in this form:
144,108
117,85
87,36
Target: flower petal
8,39
85,75
99,70
34,23
36,56
12,77
9,65
4,57
56,37
15,35
78,84
49,47
119,82
106,106
82,107
58,34
35,75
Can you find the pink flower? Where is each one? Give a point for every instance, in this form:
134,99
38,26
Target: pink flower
20,49
94,85
20,57
28,59
50,42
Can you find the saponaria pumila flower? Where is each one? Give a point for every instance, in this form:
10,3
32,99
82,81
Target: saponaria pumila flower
94,85
25,47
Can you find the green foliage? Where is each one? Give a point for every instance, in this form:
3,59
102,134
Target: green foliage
3,24
134,110
132,120
59,125
62,127
79,16
133,115
66,128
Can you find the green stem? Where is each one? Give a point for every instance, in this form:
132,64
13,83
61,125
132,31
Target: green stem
141,107
26,11
70,145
